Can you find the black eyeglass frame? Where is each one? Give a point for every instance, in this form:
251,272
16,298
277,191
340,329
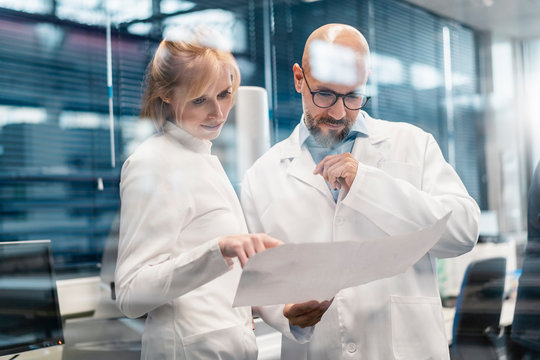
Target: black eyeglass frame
337,95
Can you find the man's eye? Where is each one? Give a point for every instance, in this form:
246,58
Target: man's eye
198,101
326,94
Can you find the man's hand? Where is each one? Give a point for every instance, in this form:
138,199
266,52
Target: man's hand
338,170
245,246
306,314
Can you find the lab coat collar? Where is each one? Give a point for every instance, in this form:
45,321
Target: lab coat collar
186,139
302,164
292,147
376,135
359,126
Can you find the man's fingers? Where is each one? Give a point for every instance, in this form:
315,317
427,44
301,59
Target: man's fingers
307,319
312,321
302,308
328,160
332,175
306,314
326,304
319,167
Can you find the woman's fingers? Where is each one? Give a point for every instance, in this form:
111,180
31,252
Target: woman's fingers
242,258
270,242
244,246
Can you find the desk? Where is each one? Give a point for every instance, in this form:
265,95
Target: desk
50,353
93,339
119,339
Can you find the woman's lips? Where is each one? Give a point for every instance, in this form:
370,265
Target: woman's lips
212,126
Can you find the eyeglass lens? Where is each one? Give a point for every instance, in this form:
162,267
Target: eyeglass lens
327,99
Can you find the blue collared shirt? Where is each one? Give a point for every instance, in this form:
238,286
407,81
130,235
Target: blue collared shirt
318,152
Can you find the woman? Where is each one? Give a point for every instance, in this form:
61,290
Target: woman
174,263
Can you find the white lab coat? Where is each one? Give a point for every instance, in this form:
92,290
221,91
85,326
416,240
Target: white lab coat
402,184
176,201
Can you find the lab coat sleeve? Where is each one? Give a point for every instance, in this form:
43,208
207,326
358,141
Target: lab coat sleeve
272,315
153,212
397,206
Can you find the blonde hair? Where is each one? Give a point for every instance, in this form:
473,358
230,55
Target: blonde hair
183,71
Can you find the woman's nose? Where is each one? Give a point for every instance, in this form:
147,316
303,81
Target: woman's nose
216,111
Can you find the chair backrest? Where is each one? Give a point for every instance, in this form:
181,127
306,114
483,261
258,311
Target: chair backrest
480,301
526,323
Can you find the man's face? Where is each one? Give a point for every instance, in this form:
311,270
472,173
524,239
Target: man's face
326,130
329,126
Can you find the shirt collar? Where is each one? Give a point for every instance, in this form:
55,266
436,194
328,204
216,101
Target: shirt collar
359,127
186,139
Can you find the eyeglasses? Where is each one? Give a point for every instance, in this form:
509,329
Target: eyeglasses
327,98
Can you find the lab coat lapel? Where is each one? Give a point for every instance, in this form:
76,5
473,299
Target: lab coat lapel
370,150
301,165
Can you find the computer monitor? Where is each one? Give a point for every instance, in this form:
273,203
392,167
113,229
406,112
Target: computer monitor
29,311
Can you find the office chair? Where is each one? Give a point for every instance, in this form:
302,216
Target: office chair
476,332
526,324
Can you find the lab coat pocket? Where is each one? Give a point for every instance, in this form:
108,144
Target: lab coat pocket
231,343
401,170
418,328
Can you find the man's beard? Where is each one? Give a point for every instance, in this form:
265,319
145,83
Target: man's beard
333,137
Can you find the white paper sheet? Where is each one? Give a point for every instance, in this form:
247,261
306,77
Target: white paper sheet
295,273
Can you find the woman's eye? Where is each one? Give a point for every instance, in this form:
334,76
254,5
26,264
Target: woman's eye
224,94
198,101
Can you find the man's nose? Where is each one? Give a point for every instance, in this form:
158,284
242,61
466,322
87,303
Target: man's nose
337,111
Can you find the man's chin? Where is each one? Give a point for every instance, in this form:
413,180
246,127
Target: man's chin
327,140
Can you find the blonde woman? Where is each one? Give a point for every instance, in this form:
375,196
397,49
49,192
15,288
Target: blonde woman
176,259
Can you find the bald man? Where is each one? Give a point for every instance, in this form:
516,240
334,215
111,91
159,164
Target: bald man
345,176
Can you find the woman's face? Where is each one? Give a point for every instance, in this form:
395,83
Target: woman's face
204,116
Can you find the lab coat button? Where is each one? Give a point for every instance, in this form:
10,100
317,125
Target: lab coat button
351,347
339,220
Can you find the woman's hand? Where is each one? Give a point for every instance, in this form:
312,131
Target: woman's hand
245,246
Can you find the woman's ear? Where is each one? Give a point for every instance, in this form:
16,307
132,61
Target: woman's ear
166,100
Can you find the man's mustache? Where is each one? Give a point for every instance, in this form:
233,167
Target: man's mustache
332,121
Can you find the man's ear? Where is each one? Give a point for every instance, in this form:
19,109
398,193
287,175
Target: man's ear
298,77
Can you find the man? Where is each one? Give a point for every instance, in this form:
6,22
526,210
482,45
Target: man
344,176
